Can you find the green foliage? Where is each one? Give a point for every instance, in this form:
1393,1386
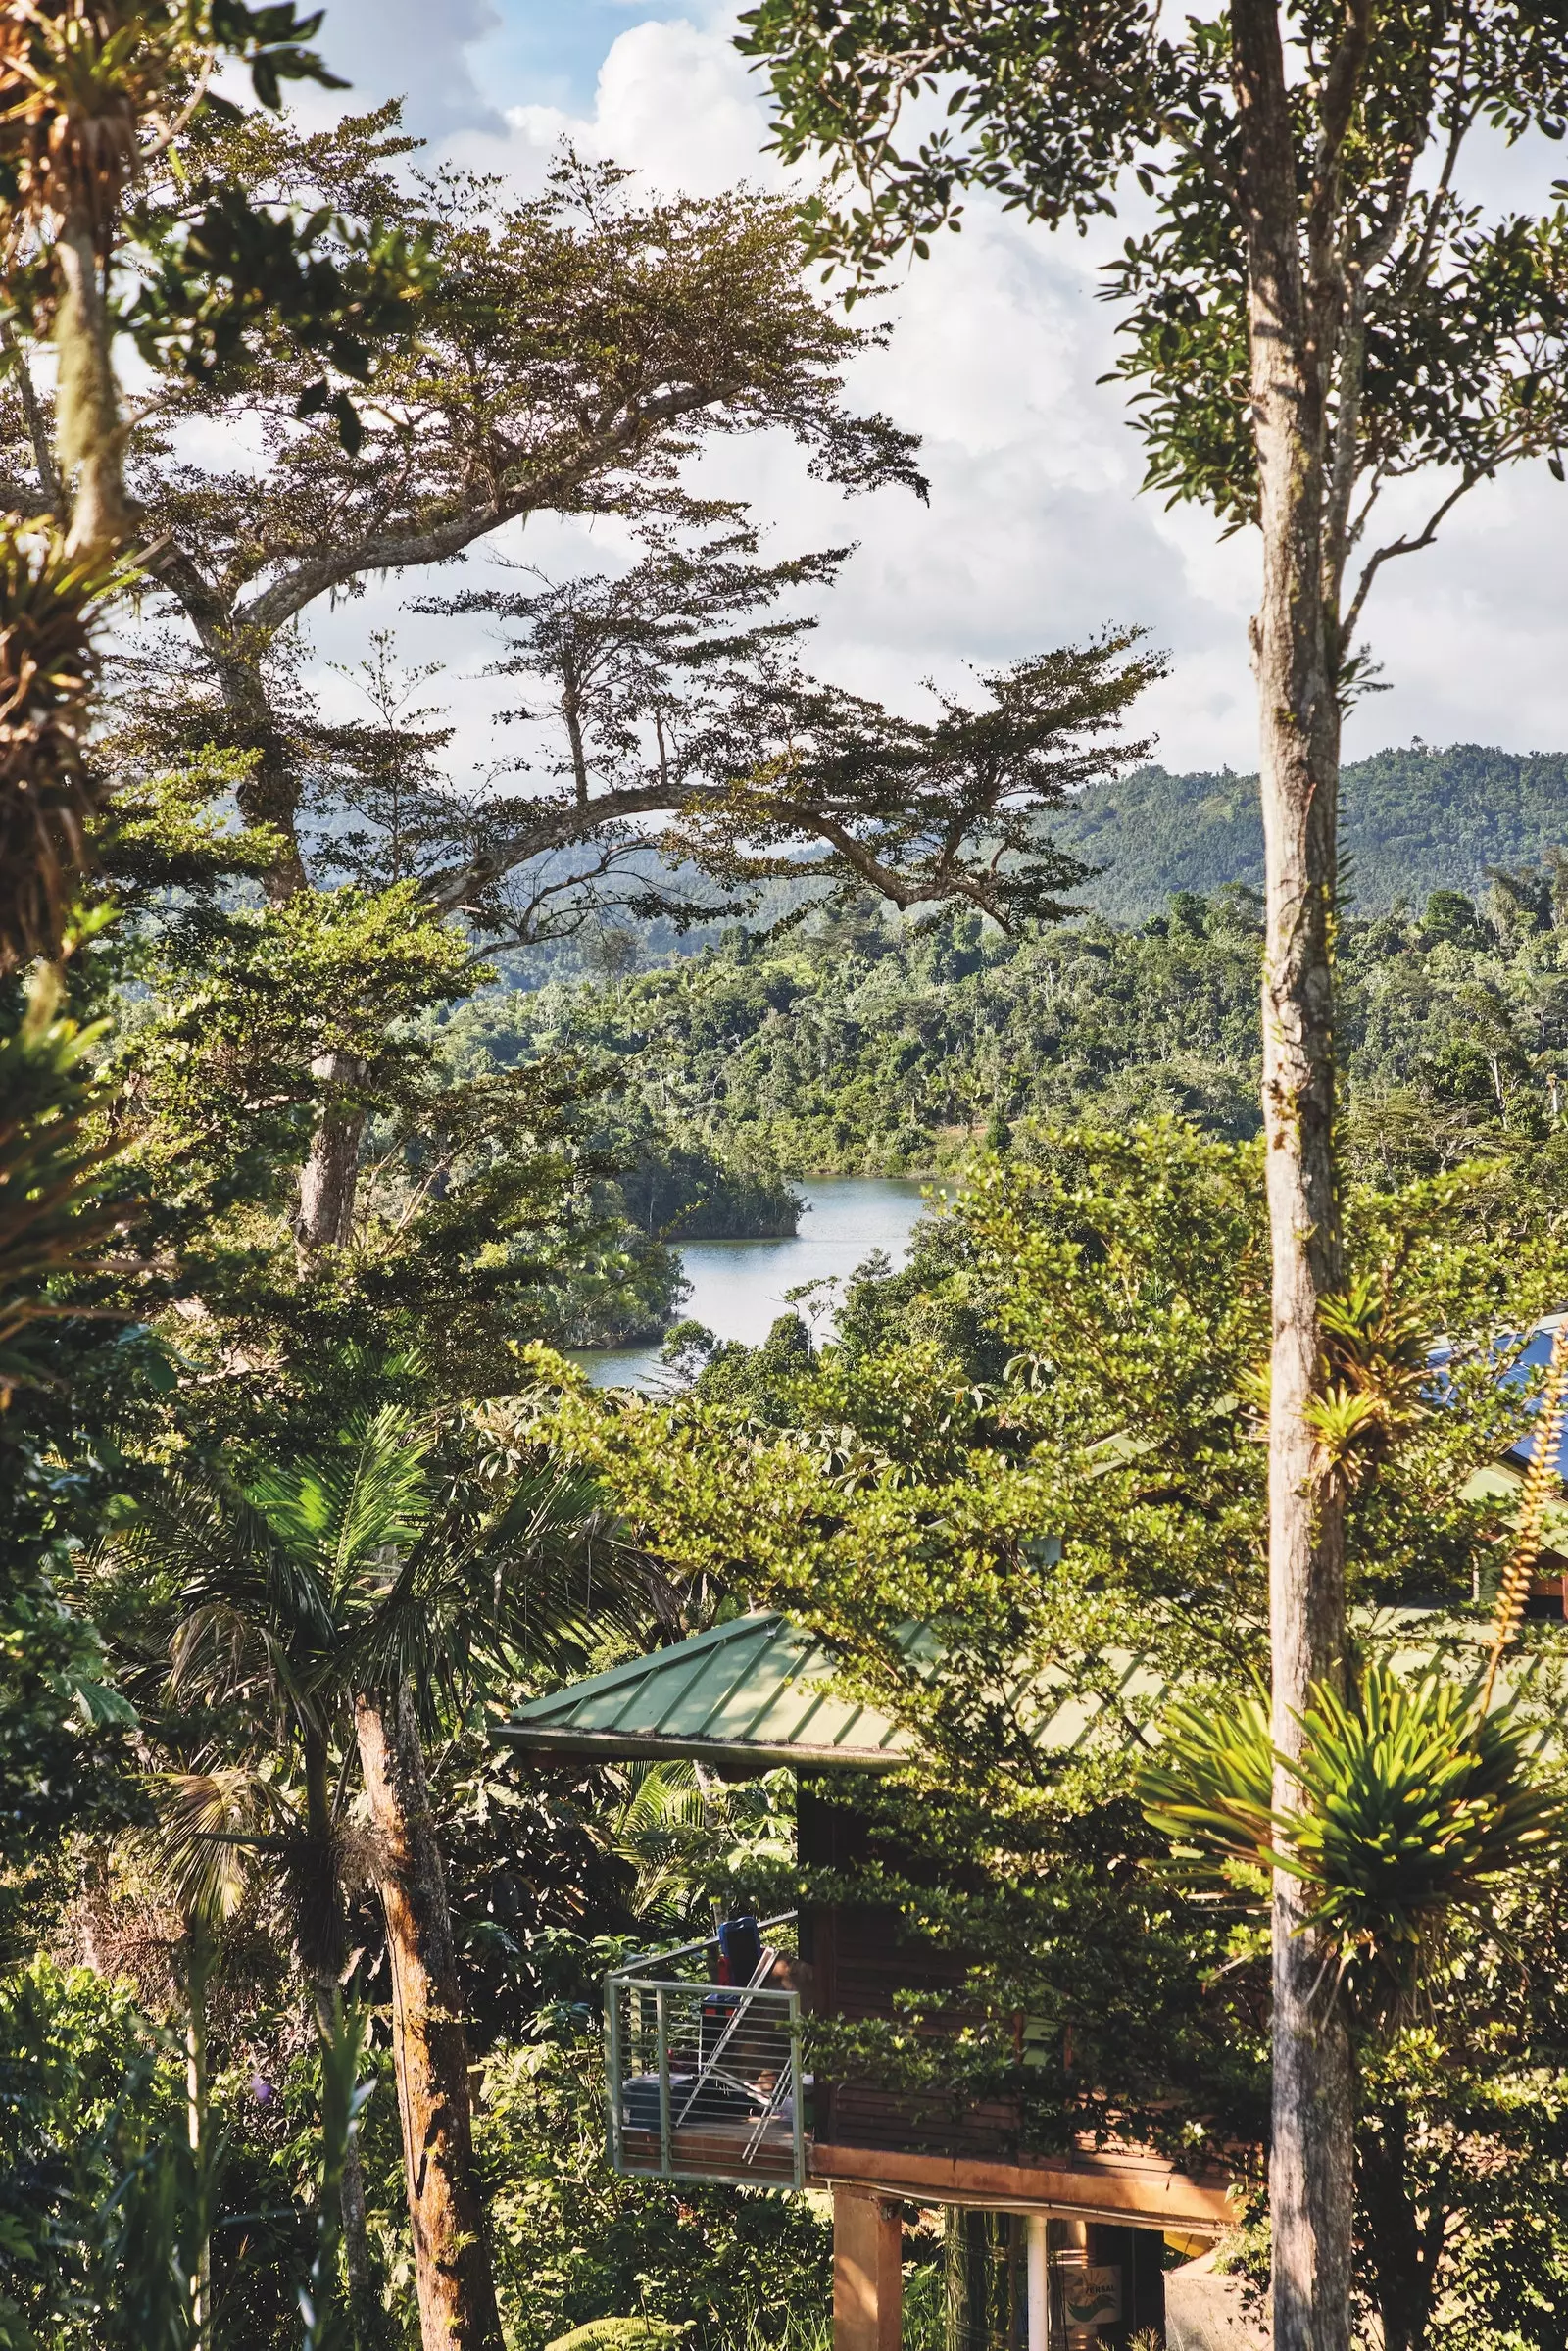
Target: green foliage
57,1176
856,1047
575,2242
926,812
475,1214
1462,2221
1411,821
621,2335
863,1050
679,318
172,829
96,2243
1411,1804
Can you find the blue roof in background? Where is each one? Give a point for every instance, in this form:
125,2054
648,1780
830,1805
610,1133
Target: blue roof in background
1533,1358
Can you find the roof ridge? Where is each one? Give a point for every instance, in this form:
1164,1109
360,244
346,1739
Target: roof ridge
634,1669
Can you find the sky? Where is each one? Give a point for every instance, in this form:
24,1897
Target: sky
1037,532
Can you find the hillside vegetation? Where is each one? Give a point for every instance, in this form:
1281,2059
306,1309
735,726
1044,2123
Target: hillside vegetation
854,1048
1412,822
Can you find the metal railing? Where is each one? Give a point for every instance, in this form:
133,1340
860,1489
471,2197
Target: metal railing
705,2079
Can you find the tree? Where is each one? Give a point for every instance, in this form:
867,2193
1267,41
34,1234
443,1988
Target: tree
1316,312
453,1209
669,691
563,354
354,1595
92,95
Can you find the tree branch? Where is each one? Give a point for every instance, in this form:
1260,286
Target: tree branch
43,456
1396,547
440,541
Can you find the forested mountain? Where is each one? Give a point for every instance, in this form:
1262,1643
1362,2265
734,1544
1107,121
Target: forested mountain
850,1047
1412,822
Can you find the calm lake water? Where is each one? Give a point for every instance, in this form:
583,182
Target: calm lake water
737,1287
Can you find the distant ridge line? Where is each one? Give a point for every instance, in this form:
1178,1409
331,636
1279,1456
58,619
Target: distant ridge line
1412,822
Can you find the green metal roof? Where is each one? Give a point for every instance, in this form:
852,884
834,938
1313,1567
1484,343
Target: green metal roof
756,1692
759,1691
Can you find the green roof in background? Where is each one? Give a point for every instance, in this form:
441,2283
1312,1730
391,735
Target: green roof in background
758,1692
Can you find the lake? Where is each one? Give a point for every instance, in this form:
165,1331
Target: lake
737,1287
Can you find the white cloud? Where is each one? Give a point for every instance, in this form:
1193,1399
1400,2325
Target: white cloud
1036,531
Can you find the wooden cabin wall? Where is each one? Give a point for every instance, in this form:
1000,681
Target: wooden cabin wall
859,1961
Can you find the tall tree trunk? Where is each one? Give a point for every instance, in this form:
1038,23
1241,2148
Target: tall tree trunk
1311,2159
1402,2278
329,1178
431,2046
87,405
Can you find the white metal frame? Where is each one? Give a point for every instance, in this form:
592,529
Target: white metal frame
637,1978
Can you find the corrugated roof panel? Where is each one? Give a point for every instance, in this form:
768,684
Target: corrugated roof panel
758,1689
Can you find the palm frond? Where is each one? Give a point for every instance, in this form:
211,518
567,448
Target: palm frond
342,1509
204,1832
525,1588
661,1797
665,1829
250,1610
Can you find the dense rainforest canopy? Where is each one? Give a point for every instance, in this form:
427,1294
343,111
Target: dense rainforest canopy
852,1046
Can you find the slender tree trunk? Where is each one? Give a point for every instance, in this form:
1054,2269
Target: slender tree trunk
324,1948
87,405
431,2046
329,1178
33,415
366,2314
198,1970
1311,2165
1400,2277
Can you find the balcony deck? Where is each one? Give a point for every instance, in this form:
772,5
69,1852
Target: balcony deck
703,2077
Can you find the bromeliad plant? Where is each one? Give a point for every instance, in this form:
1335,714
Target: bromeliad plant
1409,1798
1406,1805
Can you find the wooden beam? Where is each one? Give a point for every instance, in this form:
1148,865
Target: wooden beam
867,2272
1141,2191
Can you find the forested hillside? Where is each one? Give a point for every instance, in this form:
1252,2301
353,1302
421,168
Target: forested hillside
1410,822
853,1048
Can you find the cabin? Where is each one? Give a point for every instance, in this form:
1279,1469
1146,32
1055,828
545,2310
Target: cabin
703,2045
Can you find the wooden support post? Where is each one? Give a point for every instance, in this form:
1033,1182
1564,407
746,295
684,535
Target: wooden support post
867,2272
1039,2288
